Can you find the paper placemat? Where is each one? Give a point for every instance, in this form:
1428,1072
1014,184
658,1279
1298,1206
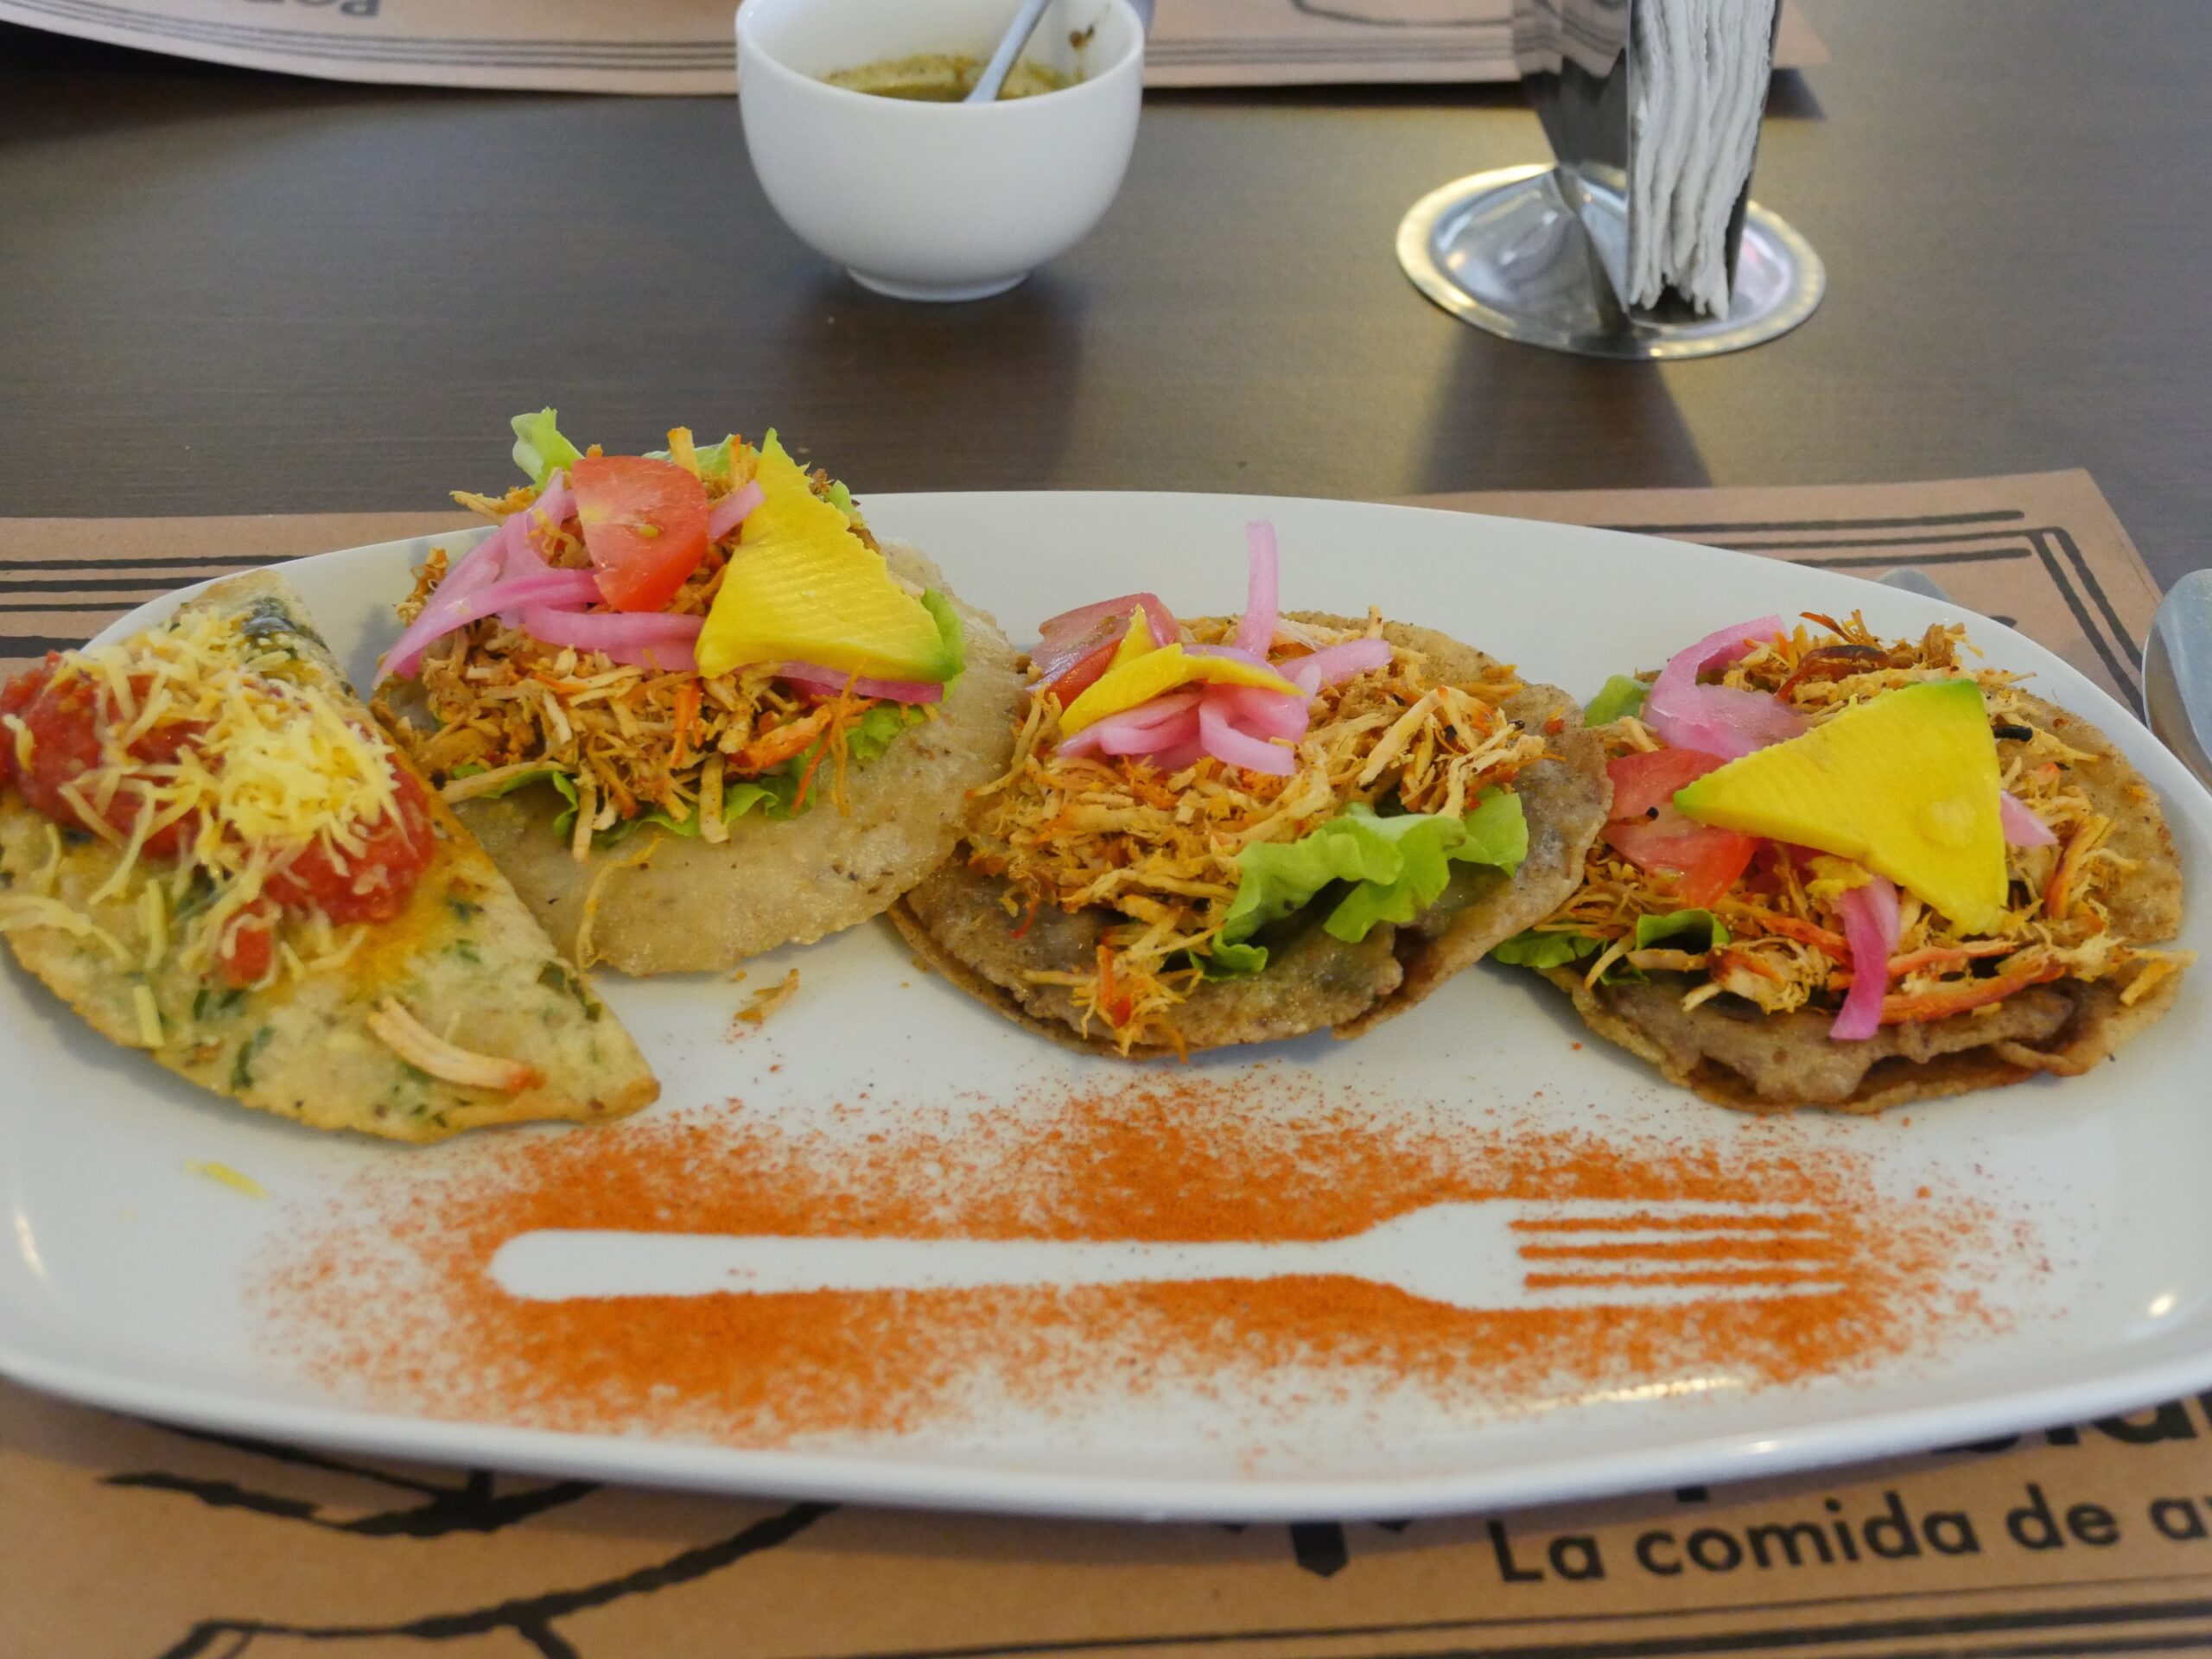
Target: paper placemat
685,46
120,1539
2041,551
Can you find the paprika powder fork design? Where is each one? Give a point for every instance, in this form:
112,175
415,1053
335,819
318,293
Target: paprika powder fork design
1490,1255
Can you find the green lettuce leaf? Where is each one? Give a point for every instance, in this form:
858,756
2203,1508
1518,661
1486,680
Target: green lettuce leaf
879,729
1497,832
540,450
842,498
552,775
713,460
1684,930
741,798
1398,867
1623,694
1692,931
1233,961
1536,949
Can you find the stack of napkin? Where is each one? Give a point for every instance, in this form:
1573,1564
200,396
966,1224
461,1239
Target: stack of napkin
1701,69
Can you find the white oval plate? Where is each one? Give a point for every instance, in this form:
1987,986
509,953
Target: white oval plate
126,1279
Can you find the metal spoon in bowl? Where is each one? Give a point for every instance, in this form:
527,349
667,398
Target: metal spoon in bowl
1010,44
2178,673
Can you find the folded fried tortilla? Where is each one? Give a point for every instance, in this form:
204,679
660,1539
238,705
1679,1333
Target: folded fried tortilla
453,1012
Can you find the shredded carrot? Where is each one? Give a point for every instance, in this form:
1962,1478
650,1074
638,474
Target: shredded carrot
779,743
687,720
2057,895
1949,955
1812,933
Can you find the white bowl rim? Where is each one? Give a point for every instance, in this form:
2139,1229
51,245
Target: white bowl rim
911,109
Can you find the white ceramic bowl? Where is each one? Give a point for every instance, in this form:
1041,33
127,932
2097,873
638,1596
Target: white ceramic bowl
936,201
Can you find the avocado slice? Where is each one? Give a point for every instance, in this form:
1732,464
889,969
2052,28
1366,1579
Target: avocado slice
803,587
1906,783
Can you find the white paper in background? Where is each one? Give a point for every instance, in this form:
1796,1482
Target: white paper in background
1701,82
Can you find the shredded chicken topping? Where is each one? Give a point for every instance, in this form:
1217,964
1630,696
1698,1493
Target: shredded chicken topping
1161,850
1786,948
629,742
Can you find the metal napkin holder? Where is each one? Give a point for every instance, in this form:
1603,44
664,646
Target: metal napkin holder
1541,254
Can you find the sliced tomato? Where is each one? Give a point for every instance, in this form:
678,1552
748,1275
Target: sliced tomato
1058,651
1085,674
1703,862
1068,623
1643,781
645,525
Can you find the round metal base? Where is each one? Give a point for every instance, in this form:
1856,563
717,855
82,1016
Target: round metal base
1505,250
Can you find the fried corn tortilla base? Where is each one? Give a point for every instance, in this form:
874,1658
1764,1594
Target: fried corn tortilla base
671,904
2093,1026
958,926
465,958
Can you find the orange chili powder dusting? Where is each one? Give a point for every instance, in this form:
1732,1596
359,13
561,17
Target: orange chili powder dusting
394,1303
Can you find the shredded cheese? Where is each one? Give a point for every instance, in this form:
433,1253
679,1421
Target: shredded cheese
20,911
149,1015
256,758
224,1175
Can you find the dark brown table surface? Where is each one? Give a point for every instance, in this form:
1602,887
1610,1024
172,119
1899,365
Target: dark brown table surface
223,292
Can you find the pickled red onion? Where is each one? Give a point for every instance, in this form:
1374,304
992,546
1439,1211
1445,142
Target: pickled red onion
506,551
1261,712
1182,755
2022,826
1148,720
1334,663
1225,740
817,678
1872,923
1240,725
555,506
546,587
1171,733
1256,632
1718,719
732,510
611,631
1230,653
